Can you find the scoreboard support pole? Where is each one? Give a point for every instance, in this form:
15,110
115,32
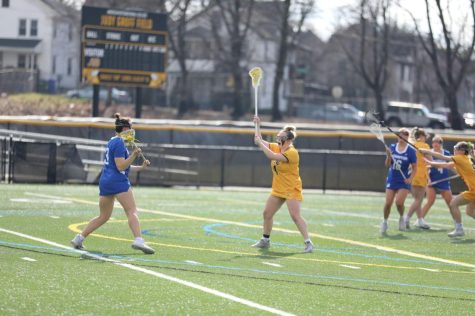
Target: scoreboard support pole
138,102
95,100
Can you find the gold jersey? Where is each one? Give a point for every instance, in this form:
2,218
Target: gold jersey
466,170
286,182
421,178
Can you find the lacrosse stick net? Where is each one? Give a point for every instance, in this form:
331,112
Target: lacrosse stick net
129,137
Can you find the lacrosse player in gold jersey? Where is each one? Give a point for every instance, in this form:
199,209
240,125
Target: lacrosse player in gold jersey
286,183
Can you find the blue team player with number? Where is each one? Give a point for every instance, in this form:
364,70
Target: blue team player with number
114,184
402,162
438,175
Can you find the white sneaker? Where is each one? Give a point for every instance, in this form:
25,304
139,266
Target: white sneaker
402,224
262,243
144,247
77,242
384,228
456,233
308,247
421,223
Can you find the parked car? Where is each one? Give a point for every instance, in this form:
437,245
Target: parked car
119,96
413,114
468,118
339,112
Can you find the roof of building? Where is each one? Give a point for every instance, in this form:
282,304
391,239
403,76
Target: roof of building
19,43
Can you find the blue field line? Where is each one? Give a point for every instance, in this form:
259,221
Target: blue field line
258,271
209,229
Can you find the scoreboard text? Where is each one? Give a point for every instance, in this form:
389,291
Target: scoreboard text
123,47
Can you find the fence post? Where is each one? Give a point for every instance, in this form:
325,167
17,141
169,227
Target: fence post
324,173
223,152
51,173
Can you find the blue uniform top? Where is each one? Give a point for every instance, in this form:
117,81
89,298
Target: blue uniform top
112,180
400,165
436,174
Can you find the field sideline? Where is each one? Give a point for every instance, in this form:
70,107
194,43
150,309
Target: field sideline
204,263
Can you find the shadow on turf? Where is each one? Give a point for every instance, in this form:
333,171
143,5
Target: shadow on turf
347,287
462,241
395,237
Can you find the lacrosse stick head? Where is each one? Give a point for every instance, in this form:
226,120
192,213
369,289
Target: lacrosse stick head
256,75
128,136
375,129
374,117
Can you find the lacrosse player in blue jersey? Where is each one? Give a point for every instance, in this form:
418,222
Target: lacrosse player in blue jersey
401,160
114,184
438,175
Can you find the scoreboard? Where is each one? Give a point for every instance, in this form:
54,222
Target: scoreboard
121,47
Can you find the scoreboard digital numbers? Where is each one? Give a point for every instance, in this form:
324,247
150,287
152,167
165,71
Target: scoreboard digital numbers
121,47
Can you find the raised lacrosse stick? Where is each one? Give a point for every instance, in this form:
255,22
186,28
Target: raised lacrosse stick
371,116
455,176
129,137
256,75
375,129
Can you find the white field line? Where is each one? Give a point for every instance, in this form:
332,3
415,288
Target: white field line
193,262
156,274
350,267
272,264
430,270
55,217
289,231
28,259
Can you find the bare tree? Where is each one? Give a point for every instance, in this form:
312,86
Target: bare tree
371,39
451,55
179,12
299,10
236,17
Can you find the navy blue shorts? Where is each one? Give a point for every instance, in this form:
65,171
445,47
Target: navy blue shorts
113,188
397,185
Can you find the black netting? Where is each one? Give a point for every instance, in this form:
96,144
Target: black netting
46,163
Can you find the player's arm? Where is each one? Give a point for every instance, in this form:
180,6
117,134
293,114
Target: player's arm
264,146
257,123
144,165
123,163
389,158
432,153
446,165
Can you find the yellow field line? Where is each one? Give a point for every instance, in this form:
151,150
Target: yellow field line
343,240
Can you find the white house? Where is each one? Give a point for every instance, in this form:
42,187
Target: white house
41,35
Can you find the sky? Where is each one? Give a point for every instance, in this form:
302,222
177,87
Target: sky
328,13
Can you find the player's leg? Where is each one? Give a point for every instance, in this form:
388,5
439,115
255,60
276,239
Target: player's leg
390,195
430,199
456,215
471,209
401,196
294,211
273,204
127,200
447,196
418,193
106,205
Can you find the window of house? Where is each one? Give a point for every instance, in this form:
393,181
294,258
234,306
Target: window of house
5,3
70,66
34,28
53,70
21,61
22,28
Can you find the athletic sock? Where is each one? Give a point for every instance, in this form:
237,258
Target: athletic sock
458,226
81,237
307,241
139,240
385,220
